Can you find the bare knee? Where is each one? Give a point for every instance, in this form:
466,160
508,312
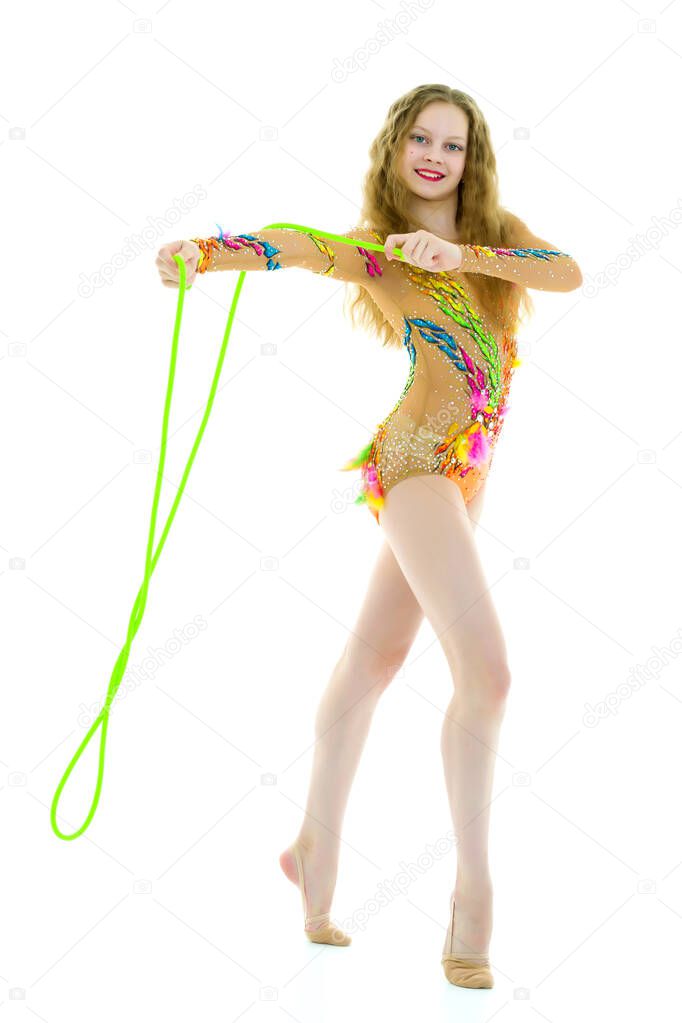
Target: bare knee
484,681
379,669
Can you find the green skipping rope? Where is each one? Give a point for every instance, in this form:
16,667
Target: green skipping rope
151,561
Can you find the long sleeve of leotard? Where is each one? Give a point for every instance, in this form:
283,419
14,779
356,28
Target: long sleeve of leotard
285,248
545,269
538,264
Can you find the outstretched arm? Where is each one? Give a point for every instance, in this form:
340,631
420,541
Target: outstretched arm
532,262
285,248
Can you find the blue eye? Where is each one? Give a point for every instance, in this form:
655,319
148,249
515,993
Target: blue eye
450,143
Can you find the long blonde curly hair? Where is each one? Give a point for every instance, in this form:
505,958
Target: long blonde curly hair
479,219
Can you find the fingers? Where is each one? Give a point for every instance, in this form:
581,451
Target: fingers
168,281
168,272
420,250
392,242
418,247
166,252
168,268
165,267
407,243
188,251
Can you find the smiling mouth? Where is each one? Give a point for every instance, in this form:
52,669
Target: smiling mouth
430,175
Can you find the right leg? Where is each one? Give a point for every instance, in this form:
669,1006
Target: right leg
387,624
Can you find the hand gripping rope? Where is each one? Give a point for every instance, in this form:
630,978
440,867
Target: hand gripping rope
151,561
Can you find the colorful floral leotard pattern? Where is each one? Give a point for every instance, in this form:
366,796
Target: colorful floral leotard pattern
449,415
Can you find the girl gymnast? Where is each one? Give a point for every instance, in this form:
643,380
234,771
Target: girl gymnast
454,301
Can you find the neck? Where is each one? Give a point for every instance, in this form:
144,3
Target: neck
436,216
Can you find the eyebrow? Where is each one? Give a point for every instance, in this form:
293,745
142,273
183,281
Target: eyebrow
431,133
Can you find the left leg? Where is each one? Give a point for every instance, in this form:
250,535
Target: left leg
475,505
431,533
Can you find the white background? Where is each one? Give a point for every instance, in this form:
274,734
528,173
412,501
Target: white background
172,906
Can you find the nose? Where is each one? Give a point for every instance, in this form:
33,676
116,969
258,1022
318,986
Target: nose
432,161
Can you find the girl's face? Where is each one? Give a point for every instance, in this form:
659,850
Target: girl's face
436,142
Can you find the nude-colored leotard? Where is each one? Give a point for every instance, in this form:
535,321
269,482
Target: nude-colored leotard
450,412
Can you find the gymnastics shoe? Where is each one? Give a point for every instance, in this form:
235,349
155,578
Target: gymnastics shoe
320,928
471,970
